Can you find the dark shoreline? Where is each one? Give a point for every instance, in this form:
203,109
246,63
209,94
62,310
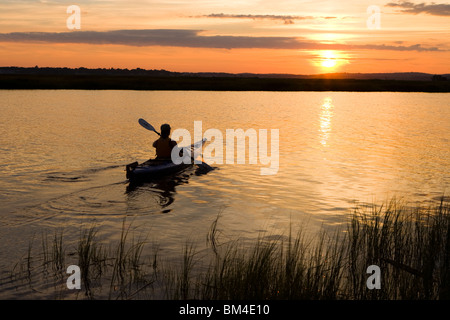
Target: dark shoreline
142,82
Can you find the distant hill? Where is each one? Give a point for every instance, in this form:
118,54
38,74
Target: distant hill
405,76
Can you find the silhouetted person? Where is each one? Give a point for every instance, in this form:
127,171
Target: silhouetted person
164,144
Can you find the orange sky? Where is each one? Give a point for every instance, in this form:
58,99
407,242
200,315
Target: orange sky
263,36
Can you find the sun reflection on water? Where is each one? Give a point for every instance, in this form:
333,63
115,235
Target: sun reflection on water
326,114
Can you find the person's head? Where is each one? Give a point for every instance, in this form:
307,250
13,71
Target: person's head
165,130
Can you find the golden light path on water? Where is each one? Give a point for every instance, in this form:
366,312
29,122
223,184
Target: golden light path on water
326,114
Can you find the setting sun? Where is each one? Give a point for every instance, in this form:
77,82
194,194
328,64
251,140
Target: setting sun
329,63
329,59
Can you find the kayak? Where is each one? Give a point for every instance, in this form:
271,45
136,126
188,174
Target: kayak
153,168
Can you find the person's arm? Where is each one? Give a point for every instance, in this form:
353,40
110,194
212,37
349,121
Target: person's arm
154,143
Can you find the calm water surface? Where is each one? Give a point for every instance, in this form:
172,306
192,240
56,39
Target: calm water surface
63,155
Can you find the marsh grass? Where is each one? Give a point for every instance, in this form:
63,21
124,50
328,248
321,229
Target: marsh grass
411,245
274,268
118,264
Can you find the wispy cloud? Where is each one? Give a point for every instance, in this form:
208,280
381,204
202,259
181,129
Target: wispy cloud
192,39
287,19
436,9
153,37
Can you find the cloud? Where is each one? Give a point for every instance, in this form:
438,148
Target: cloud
414,47
153,37
287,19
190,39
435,9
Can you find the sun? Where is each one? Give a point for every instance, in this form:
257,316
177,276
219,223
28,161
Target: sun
329,59
328,63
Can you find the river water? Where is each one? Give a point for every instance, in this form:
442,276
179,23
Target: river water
63,155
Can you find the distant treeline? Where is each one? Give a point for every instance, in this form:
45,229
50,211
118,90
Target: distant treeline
87,71
413,76
144,82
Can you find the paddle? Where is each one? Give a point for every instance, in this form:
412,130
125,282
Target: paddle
147,126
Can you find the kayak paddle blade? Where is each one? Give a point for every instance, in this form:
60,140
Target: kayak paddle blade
147,125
